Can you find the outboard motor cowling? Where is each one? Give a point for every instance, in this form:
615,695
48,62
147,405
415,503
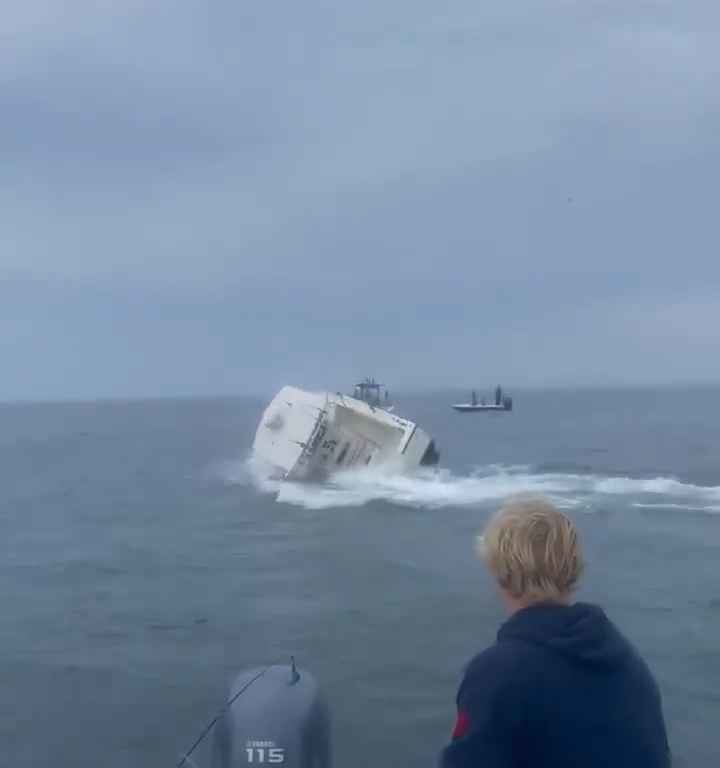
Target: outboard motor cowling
431,456
280,719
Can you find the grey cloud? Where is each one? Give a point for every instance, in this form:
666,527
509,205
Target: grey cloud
373,179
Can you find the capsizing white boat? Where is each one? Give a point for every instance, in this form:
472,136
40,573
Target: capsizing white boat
311,435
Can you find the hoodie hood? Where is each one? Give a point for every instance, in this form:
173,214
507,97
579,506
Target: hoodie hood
580,632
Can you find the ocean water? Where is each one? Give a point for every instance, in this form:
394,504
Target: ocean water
142,567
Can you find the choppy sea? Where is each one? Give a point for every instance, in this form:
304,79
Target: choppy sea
143,565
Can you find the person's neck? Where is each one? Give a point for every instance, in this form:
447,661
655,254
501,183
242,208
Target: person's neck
514,604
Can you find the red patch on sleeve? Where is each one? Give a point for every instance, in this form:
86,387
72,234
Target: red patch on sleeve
462,725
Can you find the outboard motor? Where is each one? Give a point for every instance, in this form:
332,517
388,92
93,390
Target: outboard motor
276,716
431,456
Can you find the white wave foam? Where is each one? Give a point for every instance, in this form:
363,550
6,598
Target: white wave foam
430,489
711,508
439,488
667,486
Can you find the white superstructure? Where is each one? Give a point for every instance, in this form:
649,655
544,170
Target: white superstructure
309,435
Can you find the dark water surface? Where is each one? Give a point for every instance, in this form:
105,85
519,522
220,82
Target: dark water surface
141,568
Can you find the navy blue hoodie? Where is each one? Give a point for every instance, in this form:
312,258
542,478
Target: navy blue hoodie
561,688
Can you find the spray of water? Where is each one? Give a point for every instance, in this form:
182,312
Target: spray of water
440,488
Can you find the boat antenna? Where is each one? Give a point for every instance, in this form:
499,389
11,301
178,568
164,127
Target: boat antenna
294,674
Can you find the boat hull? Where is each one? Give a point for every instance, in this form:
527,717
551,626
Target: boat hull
469,408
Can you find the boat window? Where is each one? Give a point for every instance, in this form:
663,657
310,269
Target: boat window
343,453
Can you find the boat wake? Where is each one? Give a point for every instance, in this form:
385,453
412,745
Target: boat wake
440,488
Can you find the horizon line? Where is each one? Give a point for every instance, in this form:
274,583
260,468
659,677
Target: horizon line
409,392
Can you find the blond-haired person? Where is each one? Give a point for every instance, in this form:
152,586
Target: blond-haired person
561,687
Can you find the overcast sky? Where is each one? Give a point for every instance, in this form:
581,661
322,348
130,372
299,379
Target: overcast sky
222,197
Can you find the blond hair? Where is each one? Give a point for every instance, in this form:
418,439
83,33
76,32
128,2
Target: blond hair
532,550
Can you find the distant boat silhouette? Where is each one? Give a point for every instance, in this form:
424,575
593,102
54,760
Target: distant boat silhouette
502,403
